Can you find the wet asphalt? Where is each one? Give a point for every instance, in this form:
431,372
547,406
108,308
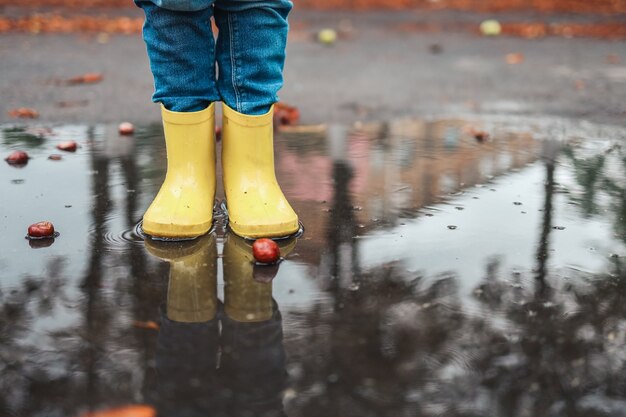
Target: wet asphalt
378,69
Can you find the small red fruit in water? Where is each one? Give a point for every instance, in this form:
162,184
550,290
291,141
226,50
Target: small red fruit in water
69,146
126,128
41,229
17,158
265,251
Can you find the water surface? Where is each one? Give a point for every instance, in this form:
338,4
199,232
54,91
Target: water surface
438,275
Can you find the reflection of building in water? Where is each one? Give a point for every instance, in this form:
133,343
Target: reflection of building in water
397,168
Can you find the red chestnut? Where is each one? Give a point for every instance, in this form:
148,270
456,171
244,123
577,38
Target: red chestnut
126,128
69,146
41,229
265,251
17,158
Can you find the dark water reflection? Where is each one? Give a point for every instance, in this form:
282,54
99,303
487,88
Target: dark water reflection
438,275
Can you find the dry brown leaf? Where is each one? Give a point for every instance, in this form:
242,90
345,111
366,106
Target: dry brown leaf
71,103
24,113
514,58
285,114
148,325
125,411
88,78
612,59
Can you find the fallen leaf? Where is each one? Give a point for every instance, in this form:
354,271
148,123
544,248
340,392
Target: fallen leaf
55,157
285,114
327,36
490,27
514,58
74,103
88,78
124,411
24,113
148,325
612,59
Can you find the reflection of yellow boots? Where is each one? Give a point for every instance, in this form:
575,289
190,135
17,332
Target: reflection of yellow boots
183,208
256,204
191,294
245,299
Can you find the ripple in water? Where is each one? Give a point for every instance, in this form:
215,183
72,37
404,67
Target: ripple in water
119,242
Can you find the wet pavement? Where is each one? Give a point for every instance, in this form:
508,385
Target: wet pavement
385,65
438,274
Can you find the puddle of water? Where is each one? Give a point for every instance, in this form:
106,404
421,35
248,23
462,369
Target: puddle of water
438,275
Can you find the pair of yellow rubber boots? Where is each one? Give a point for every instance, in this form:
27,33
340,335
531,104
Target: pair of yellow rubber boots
183,207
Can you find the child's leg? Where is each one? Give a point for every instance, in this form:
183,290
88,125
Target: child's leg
251,52
181,50
250,55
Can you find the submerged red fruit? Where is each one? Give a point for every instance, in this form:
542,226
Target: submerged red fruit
126,128
41,229
265,251
17,158
69,146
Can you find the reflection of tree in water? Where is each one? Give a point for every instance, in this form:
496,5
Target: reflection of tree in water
367,357
402,347
93,360
21,373
598,175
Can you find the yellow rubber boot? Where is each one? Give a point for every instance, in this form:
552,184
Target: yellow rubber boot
257,206
246,299
183,208
192,289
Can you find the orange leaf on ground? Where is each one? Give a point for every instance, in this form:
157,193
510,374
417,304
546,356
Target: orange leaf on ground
612,59
149,325
125,411
71,103
514,58
24,113
88,78
285,114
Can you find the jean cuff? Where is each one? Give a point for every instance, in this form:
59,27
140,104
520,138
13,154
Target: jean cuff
248,120
187,118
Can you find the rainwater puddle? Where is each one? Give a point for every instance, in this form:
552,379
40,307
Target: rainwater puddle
438,274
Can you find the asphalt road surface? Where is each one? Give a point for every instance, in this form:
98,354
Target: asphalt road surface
377,71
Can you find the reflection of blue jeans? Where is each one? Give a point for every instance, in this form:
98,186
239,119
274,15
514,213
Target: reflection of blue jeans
249,51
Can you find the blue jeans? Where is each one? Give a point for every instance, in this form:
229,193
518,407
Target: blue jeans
249,52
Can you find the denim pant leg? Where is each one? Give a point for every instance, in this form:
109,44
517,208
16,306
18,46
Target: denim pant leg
181,50
251,52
